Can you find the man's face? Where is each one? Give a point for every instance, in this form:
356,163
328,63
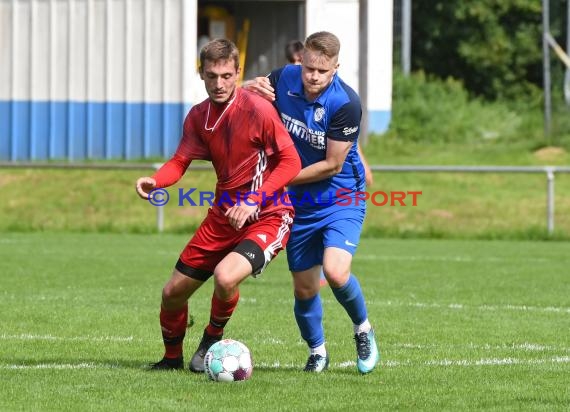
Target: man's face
220,79
318,71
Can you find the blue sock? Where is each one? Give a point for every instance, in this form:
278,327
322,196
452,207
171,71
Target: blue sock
351,298
309,316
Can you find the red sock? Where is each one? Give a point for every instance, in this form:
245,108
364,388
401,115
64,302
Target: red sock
173,325
220,313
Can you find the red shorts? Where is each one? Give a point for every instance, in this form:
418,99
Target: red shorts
215,238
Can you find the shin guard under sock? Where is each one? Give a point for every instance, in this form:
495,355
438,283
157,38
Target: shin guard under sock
173,325
220,313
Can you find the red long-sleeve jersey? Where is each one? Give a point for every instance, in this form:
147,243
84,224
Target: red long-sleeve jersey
249,147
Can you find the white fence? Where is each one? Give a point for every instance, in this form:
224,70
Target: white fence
549,172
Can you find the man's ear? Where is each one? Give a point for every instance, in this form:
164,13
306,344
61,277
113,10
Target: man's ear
201,73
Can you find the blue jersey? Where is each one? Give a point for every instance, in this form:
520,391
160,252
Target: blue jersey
334,115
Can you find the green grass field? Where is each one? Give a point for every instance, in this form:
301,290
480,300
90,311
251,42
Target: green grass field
462,325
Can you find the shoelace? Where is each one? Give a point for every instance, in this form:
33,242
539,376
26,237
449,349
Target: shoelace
362,345
313,361
205,345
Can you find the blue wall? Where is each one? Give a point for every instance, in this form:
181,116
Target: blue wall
379,121
35,130
77,131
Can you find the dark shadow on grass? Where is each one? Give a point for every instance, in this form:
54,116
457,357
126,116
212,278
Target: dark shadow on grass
75,363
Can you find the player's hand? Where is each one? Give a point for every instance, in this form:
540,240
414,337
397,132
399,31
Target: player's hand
369,177
145,185
238,215
260,86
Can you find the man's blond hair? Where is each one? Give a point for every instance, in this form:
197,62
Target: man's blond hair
324,42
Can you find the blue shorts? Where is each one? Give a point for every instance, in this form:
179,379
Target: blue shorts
311,234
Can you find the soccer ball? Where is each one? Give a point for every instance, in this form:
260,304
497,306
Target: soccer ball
228,360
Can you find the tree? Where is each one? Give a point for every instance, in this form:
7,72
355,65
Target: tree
493,46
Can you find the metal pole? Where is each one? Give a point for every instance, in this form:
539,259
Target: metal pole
363,69
550,200
406,36
568,27
567,72
159,209
546,66
160,218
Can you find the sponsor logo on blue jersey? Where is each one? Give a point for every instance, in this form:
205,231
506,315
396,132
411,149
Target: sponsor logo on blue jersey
347,131
315,138
319,113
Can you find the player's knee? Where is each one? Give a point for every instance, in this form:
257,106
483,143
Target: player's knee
167,292
224,284
304,289
170,296
305,293
336,276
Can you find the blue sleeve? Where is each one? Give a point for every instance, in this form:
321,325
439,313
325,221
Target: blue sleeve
274,77
345,124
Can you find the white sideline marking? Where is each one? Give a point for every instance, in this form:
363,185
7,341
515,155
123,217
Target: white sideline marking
497,362
464,362
26,336
525,347
247,300
273,341
466,259
61,366
340,365
460,306
527,308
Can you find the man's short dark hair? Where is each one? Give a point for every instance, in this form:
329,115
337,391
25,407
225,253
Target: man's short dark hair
293,47
219,49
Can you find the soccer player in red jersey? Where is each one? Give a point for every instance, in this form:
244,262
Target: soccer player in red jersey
252,154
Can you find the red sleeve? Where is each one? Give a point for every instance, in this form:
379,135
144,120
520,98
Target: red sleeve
172,171
288,166
190,147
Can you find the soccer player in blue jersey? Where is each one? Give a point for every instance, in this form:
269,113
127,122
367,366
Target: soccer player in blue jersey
322,115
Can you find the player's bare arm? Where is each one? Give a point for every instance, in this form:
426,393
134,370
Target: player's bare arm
367,171
260,86
144,186
330,166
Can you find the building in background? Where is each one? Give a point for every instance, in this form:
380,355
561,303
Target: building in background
113,79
